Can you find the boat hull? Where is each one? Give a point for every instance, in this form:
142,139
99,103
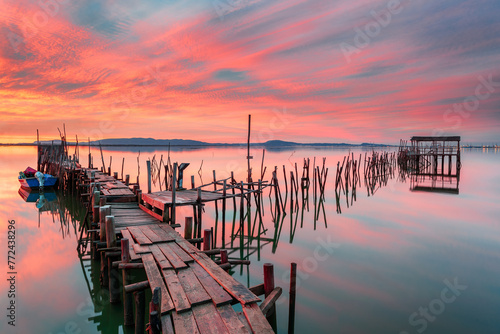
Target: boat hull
32,182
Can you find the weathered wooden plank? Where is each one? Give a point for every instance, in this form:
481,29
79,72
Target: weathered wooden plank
139,236
183,243
150,234
230,318
192,286
155,280
256,319
235,288
176,261
181,253
160,258
138,249
161,233
167,325
216,292
133,254
244,321
208,319
155,215
185,323
176,291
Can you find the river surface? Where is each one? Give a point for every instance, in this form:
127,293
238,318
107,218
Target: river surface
384,260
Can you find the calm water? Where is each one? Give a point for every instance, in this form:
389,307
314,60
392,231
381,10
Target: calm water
393,261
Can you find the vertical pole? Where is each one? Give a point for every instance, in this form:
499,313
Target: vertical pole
127,179
248,149
188,228
292,292
114,285
103,212
148,167
224,215
198,201
154,312
115,175
268,288
140,305
174,186
194,208
128,303
207,234
123,163
37,150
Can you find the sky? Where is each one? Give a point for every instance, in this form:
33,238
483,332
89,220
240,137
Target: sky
307,71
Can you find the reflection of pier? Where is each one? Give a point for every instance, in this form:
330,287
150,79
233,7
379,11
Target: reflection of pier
433,163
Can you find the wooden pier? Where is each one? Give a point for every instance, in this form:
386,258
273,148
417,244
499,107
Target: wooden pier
191,293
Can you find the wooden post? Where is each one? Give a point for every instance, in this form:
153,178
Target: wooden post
188,228
148,167
128,303
127,179
115,175
114,285
207,239
154,312
139,196
268,288
174,186
223,256
198,201
103,212
248,149
224,215
140,305
291,304
123,163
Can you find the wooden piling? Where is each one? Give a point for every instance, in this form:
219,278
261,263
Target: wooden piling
128,303
188,228
268,288
127,179
103,212
207,237
224,215
174,186
114,285
154,312
140,305
148,167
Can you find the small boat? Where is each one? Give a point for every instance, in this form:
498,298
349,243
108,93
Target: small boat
31,179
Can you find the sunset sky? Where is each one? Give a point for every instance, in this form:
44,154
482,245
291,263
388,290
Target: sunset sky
307,71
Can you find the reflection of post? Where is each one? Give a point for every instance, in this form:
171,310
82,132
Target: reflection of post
291,305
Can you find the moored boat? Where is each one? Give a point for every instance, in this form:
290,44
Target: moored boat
31,179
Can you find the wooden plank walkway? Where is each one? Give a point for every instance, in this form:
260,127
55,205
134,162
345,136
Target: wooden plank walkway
196,293
112,189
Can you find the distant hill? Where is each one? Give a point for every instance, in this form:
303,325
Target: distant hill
271,144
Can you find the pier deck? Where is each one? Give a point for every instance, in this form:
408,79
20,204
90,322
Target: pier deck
196,293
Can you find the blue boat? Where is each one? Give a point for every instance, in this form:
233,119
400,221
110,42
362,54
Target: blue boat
30,179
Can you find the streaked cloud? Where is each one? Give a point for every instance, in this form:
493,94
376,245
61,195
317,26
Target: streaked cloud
156,68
